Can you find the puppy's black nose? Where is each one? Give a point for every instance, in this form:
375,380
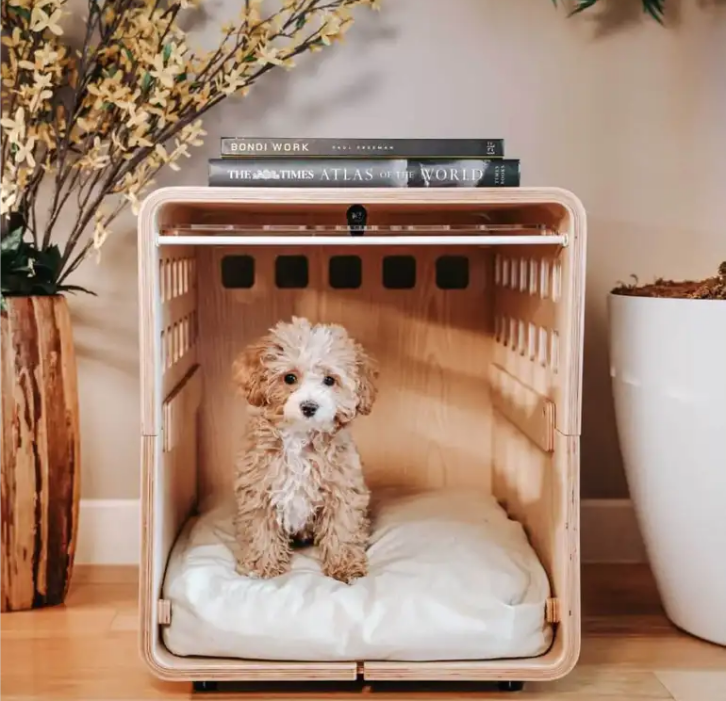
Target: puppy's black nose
308,408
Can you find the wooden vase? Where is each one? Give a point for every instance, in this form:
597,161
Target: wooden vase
40,452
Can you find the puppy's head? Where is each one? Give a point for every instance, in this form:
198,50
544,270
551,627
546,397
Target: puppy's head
313,377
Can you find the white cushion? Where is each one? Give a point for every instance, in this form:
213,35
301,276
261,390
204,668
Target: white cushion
450,577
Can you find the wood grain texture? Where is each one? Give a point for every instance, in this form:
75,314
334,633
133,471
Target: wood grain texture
433,388
40,453
436,423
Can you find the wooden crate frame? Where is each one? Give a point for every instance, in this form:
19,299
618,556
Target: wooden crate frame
538,418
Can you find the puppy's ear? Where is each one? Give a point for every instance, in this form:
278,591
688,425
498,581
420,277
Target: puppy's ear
367,380
249,373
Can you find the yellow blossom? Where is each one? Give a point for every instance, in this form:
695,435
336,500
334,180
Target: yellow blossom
25,152
138,110
14,127
40,20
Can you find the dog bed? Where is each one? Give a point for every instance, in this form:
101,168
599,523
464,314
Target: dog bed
450,577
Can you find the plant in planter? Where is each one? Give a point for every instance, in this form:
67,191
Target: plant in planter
84,131
667,349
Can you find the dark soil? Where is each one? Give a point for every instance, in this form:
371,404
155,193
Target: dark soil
710,288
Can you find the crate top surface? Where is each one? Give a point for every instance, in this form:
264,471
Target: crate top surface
207,210
418,197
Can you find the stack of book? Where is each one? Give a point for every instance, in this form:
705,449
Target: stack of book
435,163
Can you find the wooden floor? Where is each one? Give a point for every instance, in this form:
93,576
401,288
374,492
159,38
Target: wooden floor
88,650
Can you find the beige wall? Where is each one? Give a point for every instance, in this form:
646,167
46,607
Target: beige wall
631,119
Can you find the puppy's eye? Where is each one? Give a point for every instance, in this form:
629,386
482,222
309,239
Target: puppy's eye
328,381
290,379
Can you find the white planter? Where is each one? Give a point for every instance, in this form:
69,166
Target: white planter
668,370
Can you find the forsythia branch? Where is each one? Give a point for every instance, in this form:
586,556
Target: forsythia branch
100,121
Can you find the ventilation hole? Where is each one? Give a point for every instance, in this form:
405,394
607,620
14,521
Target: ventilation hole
512,334
531,341
505,272
533,277
175,342
164,354
452,272
556,281
542,347
521,347
174,279
291,272
185,282
514,276
544,279
498,270
162,280
345,272
399,272
522,275
238,272
170,279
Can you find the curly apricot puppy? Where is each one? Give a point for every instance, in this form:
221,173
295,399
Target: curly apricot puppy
300,475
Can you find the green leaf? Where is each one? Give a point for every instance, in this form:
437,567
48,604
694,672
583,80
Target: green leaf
582,5
76,288
48,261
12,241
146,81
655,9
24,12
300,22
167,53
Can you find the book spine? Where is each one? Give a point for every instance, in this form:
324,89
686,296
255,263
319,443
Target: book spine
405,173
240,147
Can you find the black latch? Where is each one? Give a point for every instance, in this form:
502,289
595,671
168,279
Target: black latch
357,217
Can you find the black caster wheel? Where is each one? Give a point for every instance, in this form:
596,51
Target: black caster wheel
205,686
510,686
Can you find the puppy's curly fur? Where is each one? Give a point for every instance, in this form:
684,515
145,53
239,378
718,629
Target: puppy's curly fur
299,475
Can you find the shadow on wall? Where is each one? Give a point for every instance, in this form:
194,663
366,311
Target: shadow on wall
255,113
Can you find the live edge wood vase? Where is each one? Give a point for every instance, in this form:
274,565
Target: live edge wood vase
40,452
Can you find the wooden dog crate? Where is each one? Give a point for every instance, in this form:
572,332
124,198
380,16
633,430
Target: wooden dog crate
471,299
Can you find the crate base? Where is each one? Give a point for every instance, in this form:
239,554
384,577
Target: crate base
202,686
212,686
510,686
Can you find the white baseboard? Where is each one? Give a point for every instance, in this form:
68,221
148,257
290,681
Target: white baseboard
109,532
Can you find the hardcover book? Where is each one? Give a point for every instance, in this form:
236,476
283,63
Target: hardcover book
237,147
400,172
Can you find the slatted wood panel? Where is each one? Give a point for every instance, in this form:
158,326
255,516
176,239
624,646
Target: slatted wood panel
433,355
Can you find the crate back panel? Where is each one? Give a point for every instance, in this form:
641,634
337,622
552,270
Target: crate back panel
431,344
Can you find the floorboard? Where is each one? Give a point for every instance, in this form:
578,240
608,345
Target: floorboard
87,649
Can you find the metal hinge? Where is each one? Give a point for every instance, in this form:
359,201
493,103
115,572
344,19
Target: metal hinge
552,610
163,611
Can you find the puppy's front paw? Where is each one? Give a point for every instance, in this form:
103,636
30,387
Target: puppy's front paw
346,565
262,570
